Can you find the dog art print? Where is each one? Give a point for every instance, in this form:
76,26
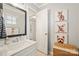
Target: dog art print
60,39
61,28
61,25
61,15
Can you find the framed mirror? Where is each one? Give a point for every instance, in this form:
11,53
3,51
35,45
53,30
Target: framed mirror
14,20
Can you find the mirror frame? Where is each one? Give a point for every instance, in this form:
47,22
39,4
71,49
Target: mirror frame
25,21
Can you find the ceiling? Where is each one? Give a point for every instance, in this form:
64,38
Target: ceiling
37,6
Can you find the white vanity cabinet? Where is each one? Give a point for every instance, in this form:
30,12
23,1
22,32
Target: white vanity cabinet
24,48
28,51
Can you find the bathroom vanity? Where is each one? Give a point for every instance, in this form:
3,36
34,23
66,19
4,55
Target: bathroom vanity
14,24
24,48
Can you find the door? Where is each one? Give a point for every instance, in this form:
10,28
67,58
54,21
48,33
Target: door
42,31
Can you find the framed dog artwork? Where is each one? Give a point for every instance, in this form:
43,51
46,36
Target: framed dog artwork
61,15
61,26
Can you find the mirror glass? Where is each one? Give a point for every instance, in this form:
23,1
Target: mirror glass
14,19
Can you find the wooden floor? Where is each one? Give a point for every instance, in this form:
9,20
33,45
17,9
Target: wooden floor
60,52
57,52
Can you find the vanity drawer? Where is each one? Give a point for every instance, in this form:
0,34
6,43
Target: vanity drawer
27,51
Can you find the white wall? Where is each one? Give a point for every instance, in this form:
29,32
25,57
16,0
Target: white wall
32,22
33,29
73,19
